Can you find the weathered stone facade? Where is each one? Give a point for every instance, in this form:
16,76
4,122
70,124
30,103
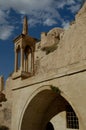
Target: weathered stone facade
57,86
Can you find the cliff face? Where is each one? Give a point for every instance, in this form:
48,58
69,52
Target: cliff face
71,48
5,106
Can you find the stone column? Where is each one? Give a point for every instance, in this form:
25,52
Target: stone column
26,63
32,62
16,61
22,59
1,83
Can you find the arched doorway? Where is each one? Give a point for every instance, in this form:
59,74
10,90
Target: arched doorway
43,108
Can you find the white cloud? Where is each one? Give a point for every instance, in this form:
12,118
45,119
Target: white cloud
49,22
5,28
44,12
5,32
3,17
62,3
70,2
74,8
32,22
65,25
31,6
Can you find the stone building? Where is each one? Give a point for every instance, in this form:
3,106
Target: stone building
47,89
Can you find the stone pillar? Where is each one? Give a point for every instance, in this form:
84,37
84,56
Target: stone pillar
32,62
24,64
22,59
1,83
27,64
25,26
16,61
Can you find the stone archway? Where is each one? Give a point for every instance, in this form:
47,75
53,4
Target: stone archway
41,109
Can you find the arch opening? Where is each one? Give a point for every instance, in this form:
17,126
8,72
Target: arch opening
42,109
28,59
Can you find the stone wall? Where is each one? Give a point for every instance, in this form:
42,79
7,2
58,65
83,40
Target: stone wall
70,51
6,107
64,68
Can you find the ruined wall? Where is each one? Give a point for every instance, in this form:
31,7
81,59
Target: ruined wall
6,105
71,49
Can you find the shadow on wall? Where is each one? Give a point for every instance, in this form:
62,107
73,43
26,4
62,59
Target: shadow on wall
49,126
46,105
4,127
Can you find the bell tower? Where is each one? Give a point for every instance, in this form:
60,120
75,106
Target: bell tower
24,53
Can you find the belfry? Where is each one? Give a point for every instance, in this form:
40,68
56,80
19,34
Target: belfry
24,53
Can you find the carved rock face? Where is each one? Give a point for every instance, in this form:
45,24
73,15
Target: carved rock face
51,38
2,97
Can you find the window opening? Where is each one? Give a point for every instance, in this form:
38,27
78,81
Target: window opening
72,119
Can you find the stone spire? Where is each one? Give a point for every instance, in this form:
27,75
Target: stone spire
25,26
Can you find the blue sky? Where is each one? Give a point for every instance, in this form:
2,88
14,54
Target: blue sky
43,15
